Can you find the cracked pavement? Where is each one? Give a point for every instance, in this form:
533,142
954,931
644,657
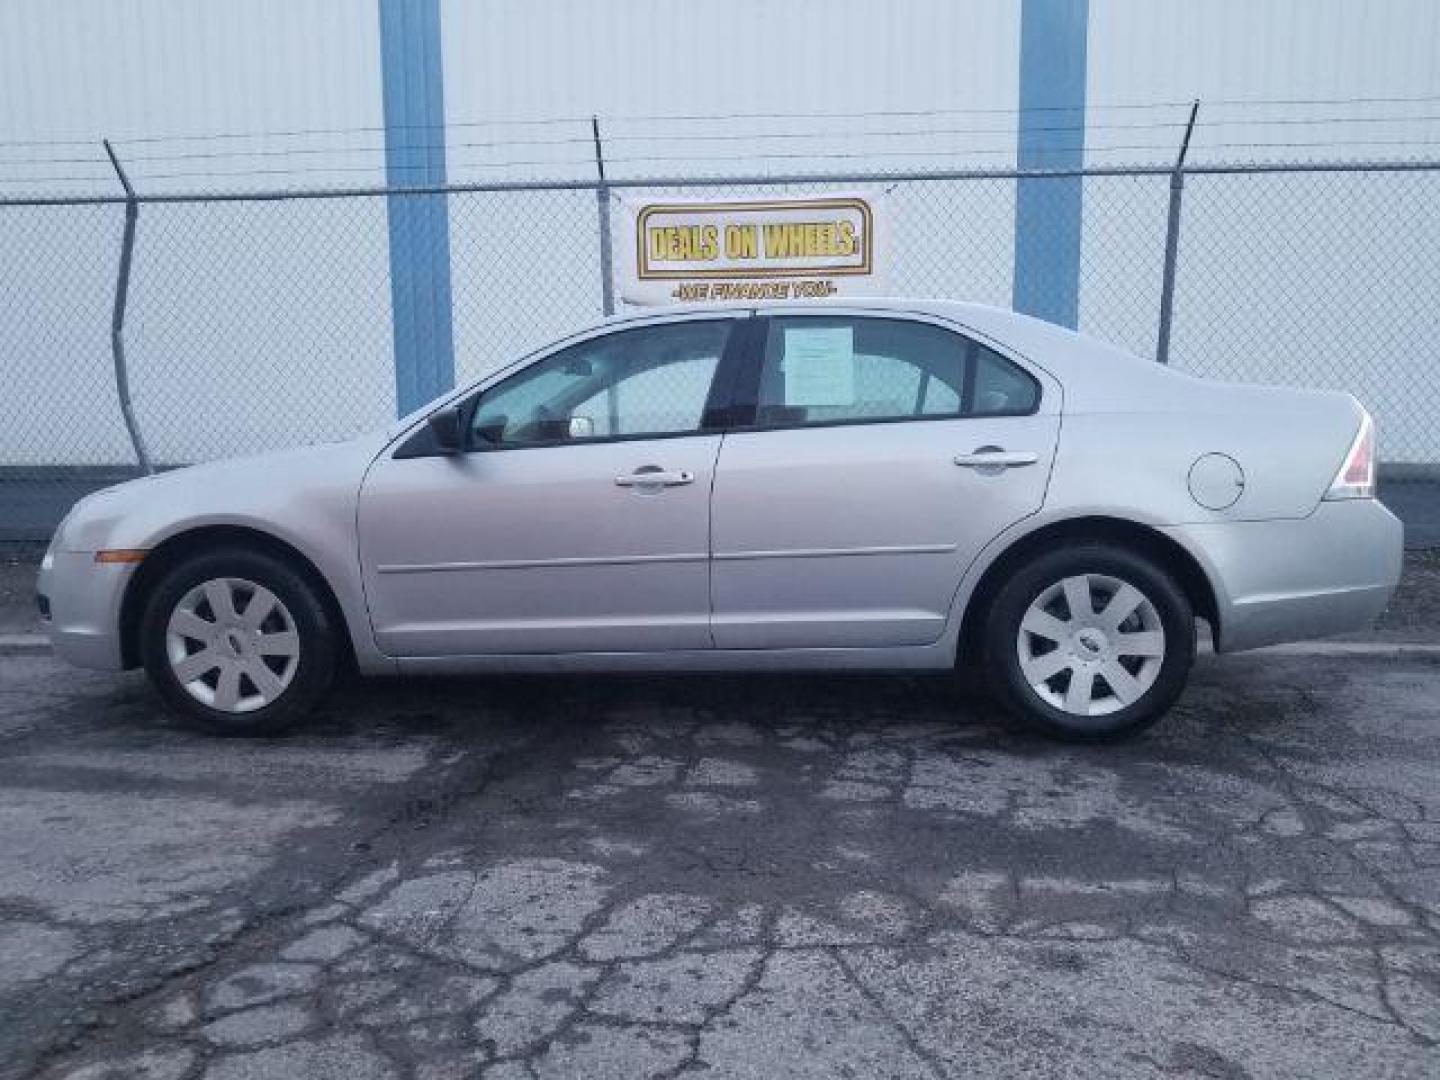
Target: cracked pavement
746,877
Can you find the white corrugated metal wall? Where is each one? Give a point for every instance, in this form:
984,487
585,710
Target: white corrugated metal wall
748,86
1325,280
164,78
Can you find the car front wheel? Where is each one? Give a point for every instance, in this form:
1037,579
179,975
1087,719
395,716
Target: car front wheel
238,643
1090,643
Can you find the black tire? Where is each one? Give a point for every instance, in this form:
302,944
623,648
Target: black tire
1042,574
315,666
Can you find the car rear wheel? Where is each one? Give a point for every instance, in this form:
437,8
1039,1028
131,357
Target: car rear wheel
238,643
1090,643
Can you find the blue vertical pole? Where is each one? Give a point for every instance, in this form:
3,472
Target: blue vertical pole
1051,136
419,225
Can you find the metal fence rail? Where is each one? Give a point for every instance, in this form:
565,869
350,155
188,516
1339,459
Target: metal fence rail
244,321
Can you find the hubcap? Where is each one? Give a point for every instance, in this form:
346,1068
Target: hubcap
1091,644
232,644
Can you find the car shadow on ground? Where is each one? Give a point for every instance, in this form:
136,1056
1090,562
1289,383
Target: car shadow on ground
466,709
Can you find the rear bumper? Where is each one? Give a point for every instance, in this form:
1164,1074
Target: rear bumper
85,598
1290,580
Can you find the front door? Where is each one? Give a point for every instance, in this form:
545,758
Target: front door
578,519
885,452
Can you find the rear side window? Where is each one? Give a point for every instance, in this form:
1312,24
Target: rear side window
827,370
1001,388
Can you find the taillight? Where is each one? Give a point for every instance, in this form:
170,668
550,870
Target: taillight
1356,478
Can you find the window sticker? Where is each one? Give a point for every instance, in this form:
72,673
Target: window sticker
819,366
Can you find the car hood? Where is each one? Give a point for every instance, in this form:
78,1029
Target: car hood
282,492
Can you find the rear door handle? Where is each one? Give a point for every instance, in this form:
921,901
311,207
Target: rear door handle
653,476
988,457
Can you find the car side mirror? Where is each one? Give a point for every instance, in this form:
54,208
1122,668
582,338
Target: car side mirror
582,427
447,428
491,432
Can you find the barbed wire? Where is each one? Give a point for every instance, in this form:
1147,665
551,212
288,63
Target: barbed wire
588,140
456,173
698,117
467,147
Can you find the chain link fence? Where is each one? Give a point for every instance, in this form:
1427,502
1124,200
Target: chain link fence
263,320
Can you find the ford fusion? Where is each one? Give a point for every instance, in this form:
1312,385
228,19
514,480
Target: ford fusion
892,485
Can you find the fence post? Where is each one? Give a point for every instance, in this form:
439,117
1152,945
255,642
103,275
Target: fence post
117,317
602,203
1172,241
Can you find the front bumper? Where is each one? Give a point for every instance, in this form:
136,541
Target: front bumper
1290,580
84,598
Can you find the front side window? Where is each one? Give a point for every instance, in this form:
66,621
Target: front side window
653,380
819,370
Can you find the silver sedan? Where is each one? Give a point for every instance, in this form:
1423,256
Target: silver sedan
887,485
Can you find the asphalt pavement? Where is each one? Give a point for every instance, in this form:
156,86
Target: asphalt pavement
735,877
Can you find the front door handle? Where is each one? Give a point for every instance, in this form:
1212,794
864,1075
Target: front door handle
993,457
654,476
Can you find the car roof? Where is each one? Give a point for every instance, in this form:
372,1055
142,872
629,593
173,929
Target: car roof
1063,352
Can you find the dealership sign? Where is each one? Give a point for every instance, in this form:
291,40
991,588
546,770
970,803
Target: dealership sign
696,251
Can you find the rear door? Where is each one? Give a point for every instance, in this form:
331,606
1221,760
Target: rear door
880,453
